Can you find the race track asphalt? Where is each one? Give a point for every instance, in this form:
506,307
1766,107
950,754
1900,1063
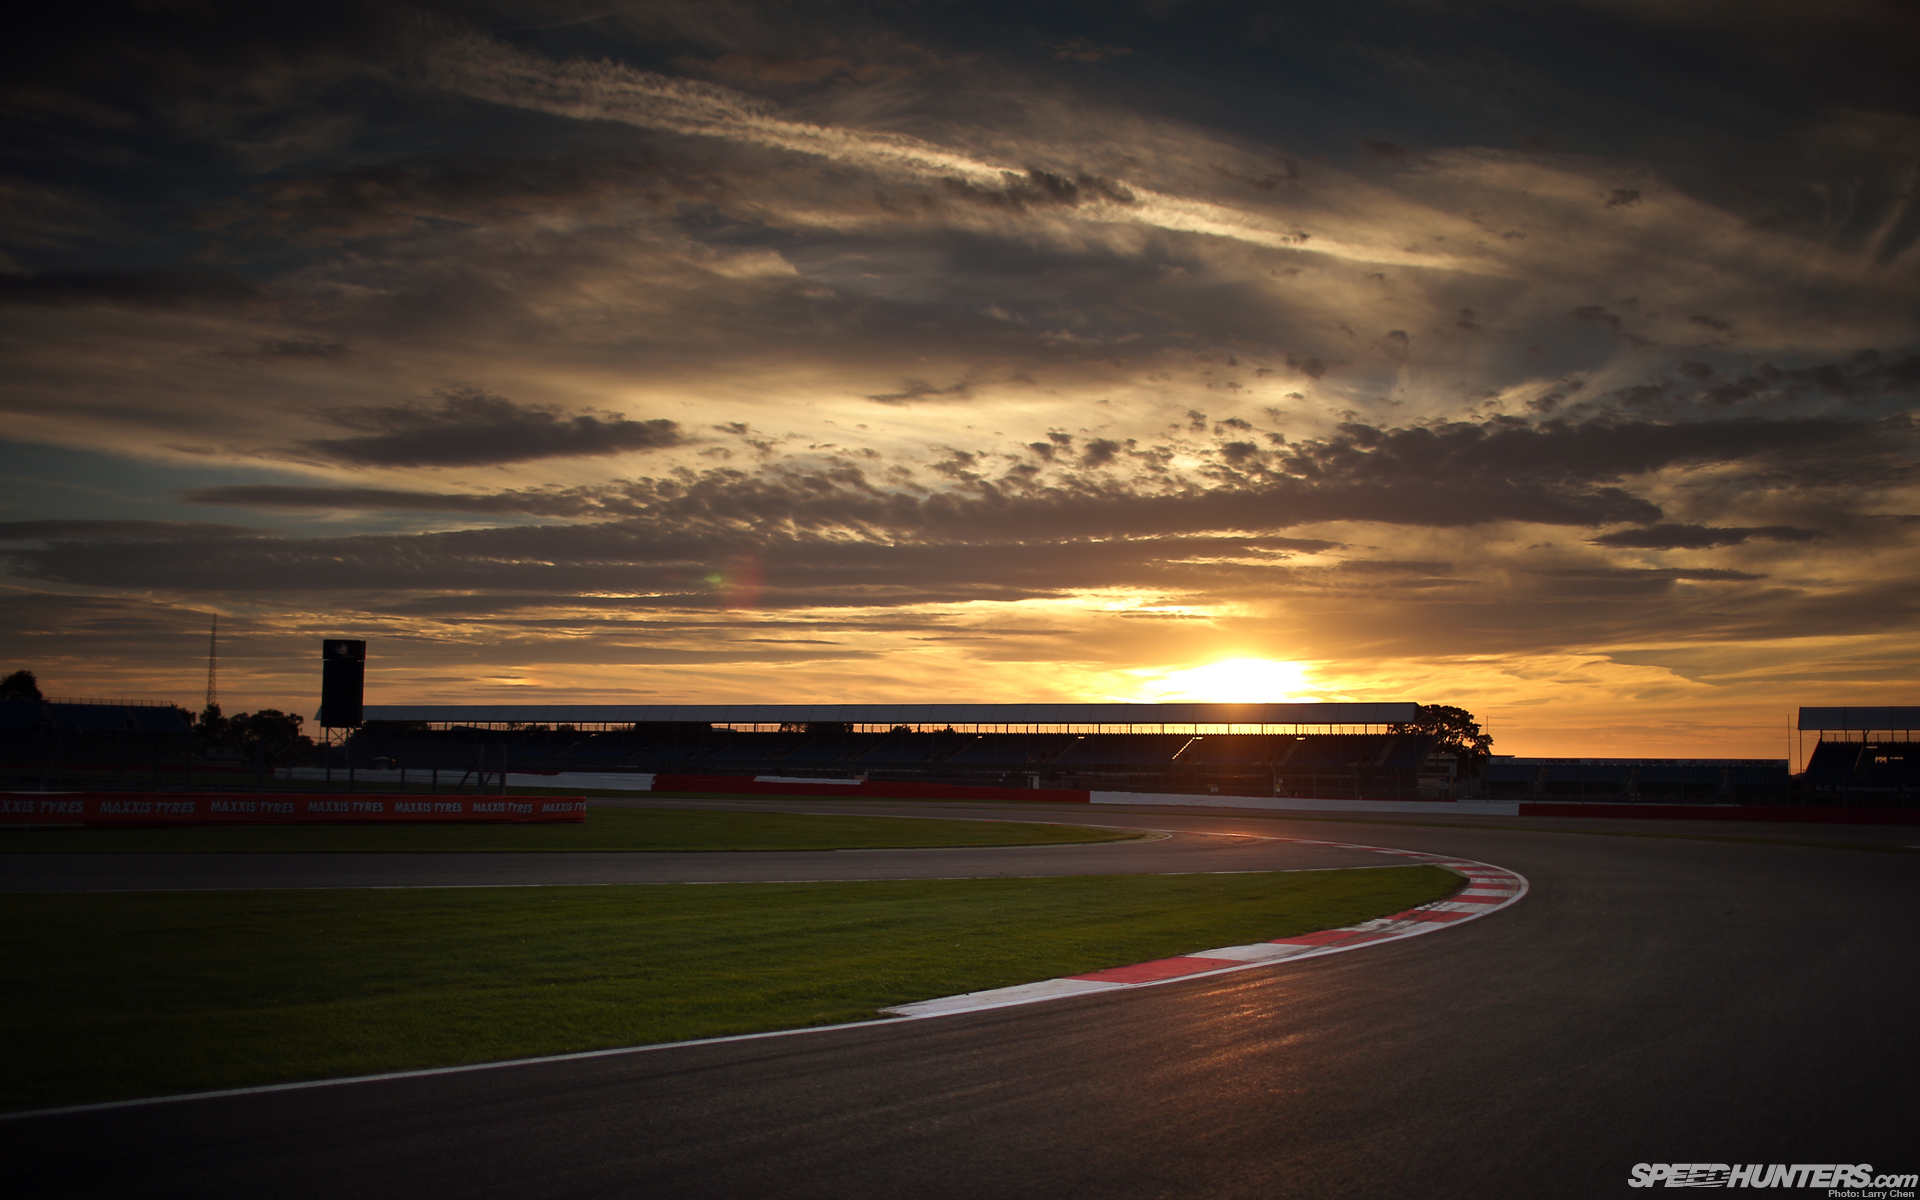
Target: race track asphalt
1652,999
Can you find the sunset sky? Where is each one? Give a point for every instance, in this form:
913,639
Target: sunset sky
1557,361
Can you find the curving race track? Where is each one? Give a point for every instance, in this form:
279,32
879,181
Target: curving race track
1654,999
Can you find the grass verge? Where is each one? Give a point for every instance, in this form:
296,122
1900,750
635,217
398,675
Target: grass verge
605,829
117,995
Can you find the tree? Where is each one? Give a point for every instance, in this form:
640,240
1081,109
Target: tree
1458,732
268,732
21,685
210,728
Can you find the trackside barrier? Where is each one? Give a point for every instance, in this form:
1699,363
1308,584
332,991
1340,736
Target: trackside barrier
1798,815
741,785
95,809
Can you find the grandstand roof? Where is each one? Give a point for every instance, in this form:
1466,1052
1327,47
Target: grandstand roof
904,714
1889,718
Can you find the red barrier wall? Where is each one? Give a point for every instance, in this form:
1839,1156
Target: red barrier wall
1723,812
742,785
277,808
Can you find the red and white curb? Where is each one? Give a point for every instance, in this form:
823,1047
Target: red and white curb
1489,889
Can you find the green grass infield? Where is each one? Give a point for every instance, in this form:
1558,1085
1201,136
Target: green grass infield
115,996
605,829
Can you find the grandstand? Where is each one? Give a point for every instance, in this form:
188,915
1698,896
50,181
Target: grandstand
1232,749
1861,756
1638,780
54,744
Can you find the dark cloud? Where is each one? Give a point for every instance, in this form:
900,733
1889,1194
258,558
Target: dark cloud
399,197
292,348
279,496
1653,574
823,532
1446,475
1623,198
1041,189
110,530
1086,50
665,572
1595,314
1383,566
912,390
1865,375
1703,537
134,289
124,56
779,70
470,427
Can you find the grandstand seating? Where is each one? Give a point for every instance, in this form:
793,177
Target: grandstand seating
1720,780
1408,751
1235,750
1337,750
603,748
833,747
758,747
22,714
1144,749
1833,762
1015,749
681,746
161,719
90,718
1865,765
913,748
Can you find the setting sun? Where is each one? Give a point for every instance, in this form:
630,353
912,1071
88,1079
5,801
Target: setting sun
1233,680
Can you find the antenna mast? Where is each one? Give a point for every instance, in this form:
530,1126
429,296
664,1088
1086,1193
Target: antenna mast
213,663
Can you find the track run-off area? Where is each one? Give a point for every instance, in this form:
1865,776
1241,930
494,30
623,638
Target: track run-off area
1662,994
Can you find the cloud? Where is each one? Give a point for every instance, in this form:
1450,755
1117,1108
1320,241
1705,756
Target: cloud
1441,476
1096,523
120,530
1702,537
170,289
470,427
912,390
1042,189
1655,574
280,496
603,91
1086,50
311,349
400,197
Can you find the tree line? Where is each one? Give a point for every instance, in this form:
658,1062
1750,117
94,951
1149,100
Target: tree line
267,733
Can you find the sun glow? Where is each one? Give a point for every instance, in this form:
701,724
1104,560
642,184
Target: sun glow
1233,680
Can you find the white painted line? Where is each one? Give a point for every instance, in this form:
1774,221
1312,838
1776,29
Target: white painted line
1025,993
1259,952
